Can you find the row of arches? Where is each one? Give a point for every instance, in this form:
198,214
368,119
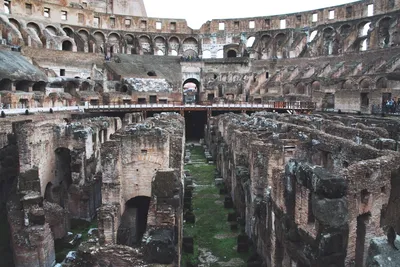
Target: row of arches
302,88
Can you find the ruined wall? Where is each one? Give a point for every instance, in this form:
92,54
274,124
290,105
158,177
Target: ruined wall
144,160
306,197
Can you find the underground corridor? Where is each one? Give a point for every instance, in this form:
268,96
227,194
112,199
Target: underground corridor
194,124
133,221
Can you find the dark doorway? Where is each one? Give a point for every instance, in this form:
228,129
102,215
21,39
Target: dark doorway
67,46
194,124
210,97
63,176
133,221
231,53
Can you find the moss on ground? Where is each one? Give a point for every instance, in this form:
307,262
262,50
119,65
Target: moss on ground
211,216
77,227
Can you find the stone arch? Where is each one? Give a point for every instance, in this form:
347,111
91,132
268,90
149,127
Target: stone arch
69,31
70,87
382,83
114,40
365,83
48,193
316,86
279,40
84,34
231,53
329,47
133,222
301,88
265,46
99,36
191,89
313,35
100,39
159,45
345,30
129,39
67,45
5,85
173,45
250,41
51,29
34,28
15,23
145,45
363,28
383,32
85,86
190,43
23,85
39,86
113,36
141,173
348,85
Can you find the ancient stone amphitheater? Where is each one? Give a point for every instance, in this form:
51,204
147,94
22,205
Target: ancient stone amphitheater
298,113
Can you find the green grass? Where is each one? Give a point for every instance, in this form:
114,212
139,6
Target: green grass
211,216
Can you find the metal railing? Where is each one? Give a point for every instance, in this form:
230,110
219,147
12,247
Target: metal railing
176,105
243,105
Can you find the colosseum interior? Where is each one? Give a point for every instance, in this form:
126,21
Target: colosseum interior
128,140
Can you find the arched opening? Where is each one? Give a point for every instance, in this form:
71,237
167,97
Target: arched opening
63,176
124,88
69,32
34,27
191,91
231,53
84,35
15,23
133,221
301,89
85,86
48,193
67,45
383,30
173,53
145,45
190,47
312,36
39,86
5,85
160,53
250,41
363,29
23,86
70,88
52,30
129,39
381,83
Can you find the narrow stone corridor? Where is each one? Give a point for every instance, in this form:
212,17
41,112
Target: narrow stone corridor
207,220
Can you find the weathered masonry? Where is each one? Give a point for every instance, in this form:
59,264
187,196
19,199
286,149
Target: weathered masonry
313,190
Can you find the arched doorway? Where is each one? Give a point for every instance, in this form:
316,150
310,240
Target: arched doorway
231,53
67,46
133,221
191,91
